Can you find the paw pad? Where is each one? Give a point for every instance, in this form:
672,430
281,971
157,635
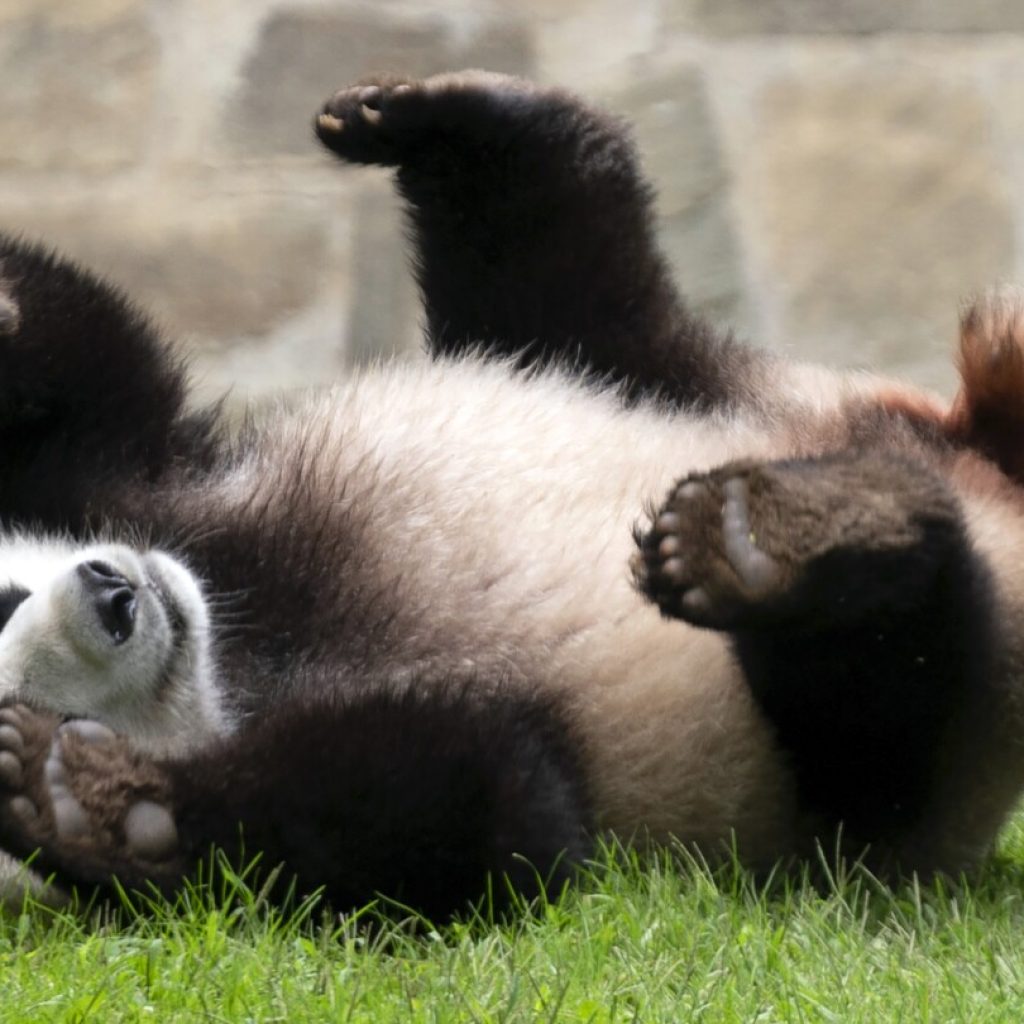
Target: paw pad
756,570
700,561
51,811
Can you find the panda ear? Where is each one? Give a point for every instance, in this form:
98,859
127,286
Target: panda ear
988,411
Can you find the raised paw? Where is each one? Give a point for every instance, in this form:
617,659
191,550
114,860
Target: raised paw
80,796
800,543
356,122
700,561
382,119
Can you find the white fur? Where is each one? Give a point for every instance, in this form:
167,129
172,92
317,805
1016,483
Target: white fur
502,513
154,688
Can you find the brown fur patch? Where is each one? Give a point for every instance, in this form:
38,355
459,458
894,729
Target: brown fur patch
988,411
918,406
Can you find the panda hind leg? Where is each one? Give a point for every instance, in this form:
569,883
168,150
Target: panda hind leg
807,543
858,612
430,799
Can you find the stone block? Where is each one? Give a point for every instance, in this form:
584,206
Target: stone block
739,17
876,202
79,84
383,309
219,272
675,131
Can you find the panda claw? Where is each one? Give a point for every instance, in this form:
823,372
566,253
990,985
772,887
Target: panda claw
330,123
370,97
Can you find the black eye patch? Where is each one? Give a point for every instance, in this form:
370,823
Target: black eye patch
10,597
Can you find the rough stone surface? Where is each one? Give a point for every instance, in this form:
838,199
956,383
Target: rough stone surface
217,274
834,175
881,203
847,16
301,56
675,131
383,312
79,85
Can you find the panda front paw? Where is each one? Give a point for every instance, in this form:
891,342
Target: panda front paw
358,123
382,119
78,794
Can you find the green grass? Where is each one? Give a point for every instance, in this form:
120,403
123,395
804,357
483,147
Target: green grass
664,942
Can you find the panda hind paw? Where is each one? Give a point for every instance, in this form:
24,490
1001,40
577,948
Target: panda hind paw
77,793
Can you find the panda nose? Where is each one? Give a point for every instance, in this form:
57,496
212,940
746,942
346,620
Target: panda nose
113,598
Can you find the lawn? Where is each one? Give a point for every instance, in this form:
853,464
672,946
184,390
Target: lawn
666,942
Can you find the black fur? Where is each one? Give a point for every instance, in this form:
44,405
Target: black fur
865,636
428,797
91,398
357,785
533,233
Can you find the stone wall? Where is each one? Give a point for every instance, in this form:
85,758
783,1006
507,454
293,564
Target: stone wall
835,174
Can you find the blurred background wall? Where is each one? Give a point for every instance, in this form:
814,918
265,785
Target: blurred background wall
834,175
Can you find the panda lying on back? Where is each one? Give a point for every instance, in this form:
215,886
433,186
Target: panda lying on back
436,665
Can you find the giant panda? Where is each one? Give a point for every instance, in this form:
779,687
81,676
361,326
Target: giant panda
595,567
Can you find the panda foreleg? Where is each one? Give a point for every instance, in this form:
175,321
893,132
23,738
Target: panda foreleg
91,397
533,231
431,799
859,613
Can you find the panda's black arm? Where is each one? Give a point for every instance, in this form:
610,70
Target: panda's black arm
861,615
424,798
533,231
90,394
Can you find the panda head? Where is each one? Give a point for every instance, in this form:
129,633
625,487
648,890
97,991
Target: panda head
110,633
